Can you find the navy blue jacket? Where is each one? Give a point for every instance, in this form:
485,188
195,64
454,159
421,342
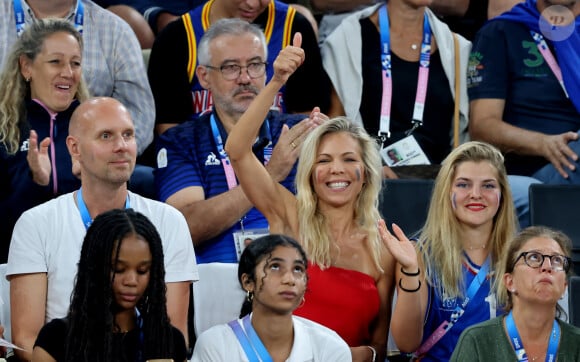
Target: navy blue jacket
18,192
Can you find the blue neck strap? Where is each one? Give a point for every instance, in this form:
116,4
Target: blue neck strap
445,326
249,340
20,22
141,348
477,282
519,346
84,211
225,160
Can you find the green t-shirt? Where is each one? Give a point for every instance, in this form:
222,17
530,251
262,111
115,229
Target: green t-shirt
488,342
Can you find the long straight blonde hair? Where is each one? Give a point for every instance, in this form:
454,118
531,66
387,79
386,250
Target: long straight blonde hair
440,244
314,227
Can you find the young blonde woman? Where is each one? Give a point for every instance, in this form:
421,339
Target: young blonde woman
333,214
444,280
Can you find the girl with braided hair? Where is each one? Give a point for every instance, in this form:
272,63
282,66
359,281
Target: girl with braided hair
117,312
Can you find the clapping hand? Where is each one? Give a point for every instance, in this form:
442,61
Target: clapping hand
400,246
38,159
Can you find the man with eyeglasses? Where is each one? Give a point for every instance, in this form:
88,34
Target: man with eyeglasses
178,91
193,171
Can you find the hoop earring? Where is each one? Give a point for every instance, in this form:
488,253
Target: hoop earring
249,296
301,303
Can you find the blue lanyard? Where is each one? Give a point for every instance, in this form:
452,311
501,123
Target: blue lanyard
474,286
228,169
20,22
472,290
249,340
519,347
141,347
85,215
424,60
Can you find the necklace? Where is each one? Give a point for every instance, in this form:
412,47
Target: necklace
471,247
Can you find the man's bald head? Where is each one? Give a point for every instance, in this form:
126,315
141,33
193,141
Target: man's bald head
92,110
101,141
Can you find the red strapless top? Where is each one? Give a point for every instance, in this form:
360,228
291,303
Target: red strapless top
345,301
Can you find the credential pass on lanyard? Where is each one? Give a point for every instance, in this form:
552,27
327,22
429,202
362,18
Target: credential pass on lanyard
225,159
85,215
385,122
519,347
549,58
20,23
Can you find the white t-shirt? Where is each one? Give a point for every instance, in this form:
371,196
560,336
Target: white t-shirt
312,342
48,239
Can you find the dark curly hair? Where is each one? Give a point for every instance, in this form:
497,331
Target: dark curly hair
91,313
255,252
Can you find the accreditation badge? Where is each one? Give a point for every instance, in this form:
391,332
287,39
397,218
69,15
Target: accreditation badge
243,238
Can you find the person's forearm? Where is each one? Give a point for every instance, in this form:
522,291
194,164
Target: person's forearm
27,344
208,218
450,7
338,6
407,319
27,307
506,137
178,306
242,136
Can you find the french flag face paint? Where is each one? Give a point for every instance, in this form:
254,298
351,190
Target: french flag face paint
318,174
453,202
357,173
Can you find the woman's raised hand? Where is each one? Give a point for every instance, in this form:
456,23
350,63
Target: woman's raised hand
38,160
400,246
289,59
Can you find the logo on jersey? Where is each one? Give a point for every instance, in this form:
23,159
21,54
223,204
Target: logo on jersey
474,68
162,158
202,101
212,160
25,146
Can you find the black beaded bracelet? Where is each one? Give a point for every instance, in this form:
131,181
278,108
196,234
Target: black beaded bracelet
409,290
411,274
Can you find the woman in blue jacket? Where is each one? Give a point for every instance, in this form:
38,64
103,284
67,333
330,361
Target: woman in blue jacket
42,86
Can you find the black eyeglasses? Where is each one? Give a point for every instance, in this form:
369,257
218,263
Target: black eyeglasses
233,71
535,259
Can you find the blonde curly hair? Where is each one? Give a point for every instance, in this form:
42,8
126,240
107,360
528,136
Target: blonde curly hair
15,89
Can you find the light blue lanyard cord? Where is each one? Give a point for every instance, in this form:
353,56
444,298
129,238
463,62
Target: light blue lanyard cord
85,215
519,346
20,22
